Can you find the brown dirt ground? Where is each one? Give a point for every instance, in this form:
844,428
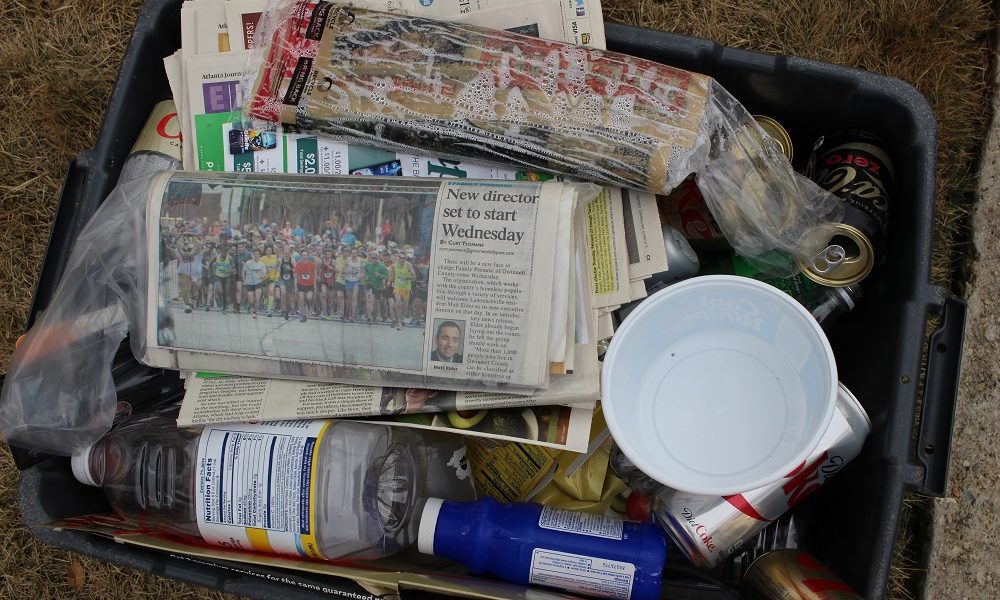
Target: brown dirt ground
58,59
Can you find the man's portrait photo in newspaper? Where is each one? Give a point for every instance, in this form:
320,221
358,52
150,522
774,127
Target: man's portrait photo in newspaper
448,336
315,273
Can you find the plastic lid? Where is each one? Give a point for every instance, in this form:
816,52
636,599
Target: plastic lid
428,525
718,385
80,463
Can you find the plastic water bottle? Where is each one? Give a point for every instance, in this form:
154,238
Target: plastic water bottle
317,489
527,543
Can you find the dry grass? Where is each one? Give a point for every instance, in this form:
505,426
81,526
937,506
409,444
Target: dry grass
57,63
59,58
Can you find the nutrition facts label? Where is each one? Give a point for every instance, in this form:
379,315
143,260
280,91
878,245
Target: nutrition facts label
585,574
580,522
255,486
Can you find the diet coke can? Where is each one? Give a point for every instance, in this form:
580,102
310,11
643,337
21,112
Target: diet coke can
710,528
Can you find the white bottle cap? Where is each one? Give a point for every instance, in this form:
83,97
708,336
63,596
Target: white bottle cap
81,467
428,525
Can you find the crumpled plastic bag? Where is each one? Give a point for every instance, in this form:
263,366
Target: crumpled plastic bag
59,392
415,84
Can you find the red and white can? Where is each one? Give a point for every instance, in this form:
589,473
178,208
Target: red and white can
793,573
710,528
685,210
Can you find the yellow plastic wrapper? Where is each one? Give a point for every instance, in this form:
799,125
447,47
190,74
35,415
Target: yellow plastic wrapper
591,488
551,495
507,471
587,482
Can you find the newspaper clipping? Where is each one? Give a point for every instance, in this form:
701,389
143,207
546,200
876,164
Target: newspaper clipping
558,427
420,281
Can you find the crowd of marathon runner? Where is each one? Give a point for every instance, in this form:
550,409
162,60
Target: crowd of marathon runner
287,271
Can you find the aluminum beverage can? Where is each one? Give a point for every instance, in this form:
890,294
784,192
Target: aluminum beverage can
682,260
685,210
853,165
710,528
793,573
778,133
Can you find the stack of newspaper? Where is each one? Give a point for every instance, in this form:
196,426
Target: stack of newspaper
586,264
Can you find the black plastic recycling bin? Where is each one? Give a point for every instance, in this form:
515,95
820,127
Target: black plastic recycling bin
850,524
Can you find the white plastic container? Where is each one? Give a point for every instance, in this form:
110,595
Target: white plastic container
718,385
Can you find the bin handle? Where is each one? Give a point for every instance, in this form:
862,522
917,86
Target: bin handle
937,415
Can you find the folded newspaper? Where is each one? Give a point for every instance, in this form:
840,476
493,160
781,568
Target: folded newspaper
623,229
556,427
211,399
206,76
479,259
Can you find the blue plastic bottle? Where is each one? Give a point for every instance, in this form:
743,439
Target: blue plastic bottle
531,544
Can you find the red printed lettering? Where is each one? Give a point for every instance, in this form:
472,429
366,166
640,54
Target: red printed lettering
803,480
820,586
862,162
699,530
161,127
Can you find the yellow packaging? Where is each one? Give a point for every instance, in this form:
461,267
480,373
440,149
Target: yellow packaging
587,483
508,471
551,495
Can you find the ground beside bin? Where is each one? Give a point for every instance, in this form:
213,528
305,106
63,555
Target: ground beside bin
964,557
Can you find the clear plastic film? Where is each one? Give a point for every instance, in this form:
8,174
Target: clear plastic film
59,394
415,84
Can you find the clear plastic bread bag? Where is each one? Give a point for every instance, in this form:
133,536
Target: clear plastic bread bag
415,84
